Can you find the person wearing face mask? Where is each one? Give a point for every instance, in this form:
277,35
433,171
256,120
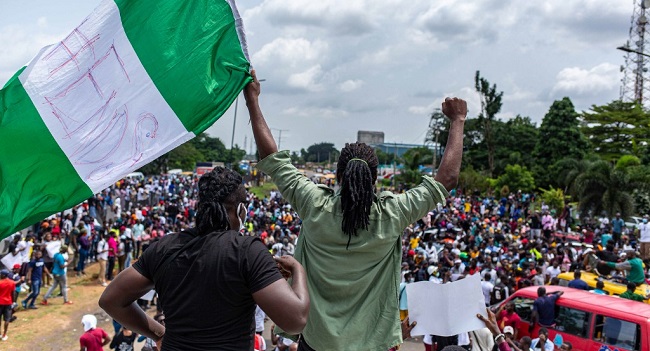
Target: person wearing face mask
210,278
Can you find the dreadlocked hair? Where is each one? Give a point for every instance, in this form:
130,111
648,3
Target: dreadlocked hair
356,173
216,188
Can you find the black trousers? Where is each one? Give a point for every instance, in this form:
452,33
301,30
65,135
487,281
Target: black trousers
110,267
302,345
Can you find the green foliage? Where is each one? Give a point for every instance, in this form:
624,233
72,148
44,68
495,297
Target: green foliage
490,106
212,149
471,180
184,157
566,172
554,198
320,152
517,178
203,148
297,159
602,188
415,157
559,137
617,129
505,191
627,161
385,158
641,201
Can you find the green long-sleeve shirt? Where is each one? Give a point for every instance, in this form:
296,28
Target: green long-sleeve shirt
353,292
635,268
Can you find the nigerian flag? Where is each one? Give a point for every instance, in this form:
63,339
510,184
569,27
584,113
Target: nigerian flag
134,80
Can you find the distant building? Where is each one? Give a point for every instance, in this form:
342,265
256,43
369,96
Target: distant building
370,138
400,149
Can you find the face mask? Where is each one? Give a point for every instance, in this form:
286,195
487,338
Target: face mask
241,208
645,220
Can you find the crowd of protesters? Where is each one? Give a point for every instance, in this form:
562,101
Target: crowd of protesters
512,242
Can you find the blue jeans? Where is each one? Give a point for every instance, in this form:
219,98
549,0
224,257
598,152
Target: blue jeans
35,291
83,255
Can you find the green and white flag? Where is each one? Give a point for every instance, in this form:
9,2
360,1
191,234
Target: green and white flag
134,80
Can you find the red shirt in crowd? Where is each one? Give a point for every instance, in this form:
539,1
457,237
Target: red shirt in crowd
7,287
93,339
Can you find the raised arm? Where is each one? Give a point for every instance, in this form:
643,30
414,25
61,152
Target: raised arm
456,110
263,136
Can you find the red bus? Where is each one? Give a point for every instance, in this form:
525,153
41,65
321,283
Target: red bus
590,322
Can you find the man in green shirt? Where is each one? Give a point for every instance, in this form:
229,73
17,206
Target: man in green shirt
350,240
631,295
633,266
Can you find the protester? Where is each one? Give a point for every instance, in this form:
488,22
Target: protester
34,279
93,338
631,295
59,275
354,284
544,308
7,287
203,313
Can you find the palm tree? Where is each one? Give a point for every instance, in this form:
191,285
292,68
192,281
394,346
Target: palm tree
603,188
569,169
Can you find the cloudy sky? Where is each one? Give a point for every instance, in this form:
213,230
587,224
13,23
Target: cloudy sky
335,67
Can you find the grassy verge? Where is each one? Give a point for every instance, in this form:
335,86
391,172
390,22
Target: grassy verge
264,190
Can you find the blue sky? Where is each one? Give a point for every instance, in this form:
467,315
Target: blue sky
334,67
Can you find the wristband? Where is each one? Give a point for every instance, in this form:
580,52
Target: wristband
499,336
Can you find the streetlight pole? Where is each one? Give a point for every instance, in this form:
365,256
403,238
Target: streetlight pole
234,123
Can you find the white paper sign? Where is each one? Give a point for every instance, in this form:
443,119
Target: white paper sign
10,260
52,248
446,309
148,296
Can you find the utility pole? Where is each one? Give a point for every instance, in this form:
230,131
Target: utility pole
280,136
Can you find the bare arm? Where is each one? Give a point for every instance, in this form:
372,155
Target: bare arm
118,300
456,110
287,306
263,136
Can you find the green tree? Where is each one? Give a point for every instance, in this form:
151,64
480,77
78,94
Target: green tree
297,159
559,137
515,141
213,149
554,198
470,180
384,157
413,159
184,157
517,178
321,152
490,106
568,170
602,188
616,129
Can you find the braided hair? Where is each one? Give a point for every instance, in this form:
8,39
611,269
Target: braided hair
356,173
217,188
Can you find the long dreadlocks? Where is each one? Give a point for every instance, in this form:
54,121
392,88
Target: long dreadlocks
356,173
217,188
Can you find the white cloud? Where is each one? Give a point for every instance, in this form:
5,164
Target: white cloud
18,45
580,81
350,85
41,22
308,80
290,51
315,112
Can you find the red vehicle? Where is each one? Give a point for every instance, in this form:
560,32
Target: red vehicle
590,322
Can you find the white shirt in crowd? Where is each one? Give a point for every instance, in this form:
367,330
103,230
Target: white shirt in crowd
644,232
553,271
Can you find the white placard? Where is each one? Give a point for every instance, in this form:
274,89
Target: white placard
446,309
10,260
53,247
